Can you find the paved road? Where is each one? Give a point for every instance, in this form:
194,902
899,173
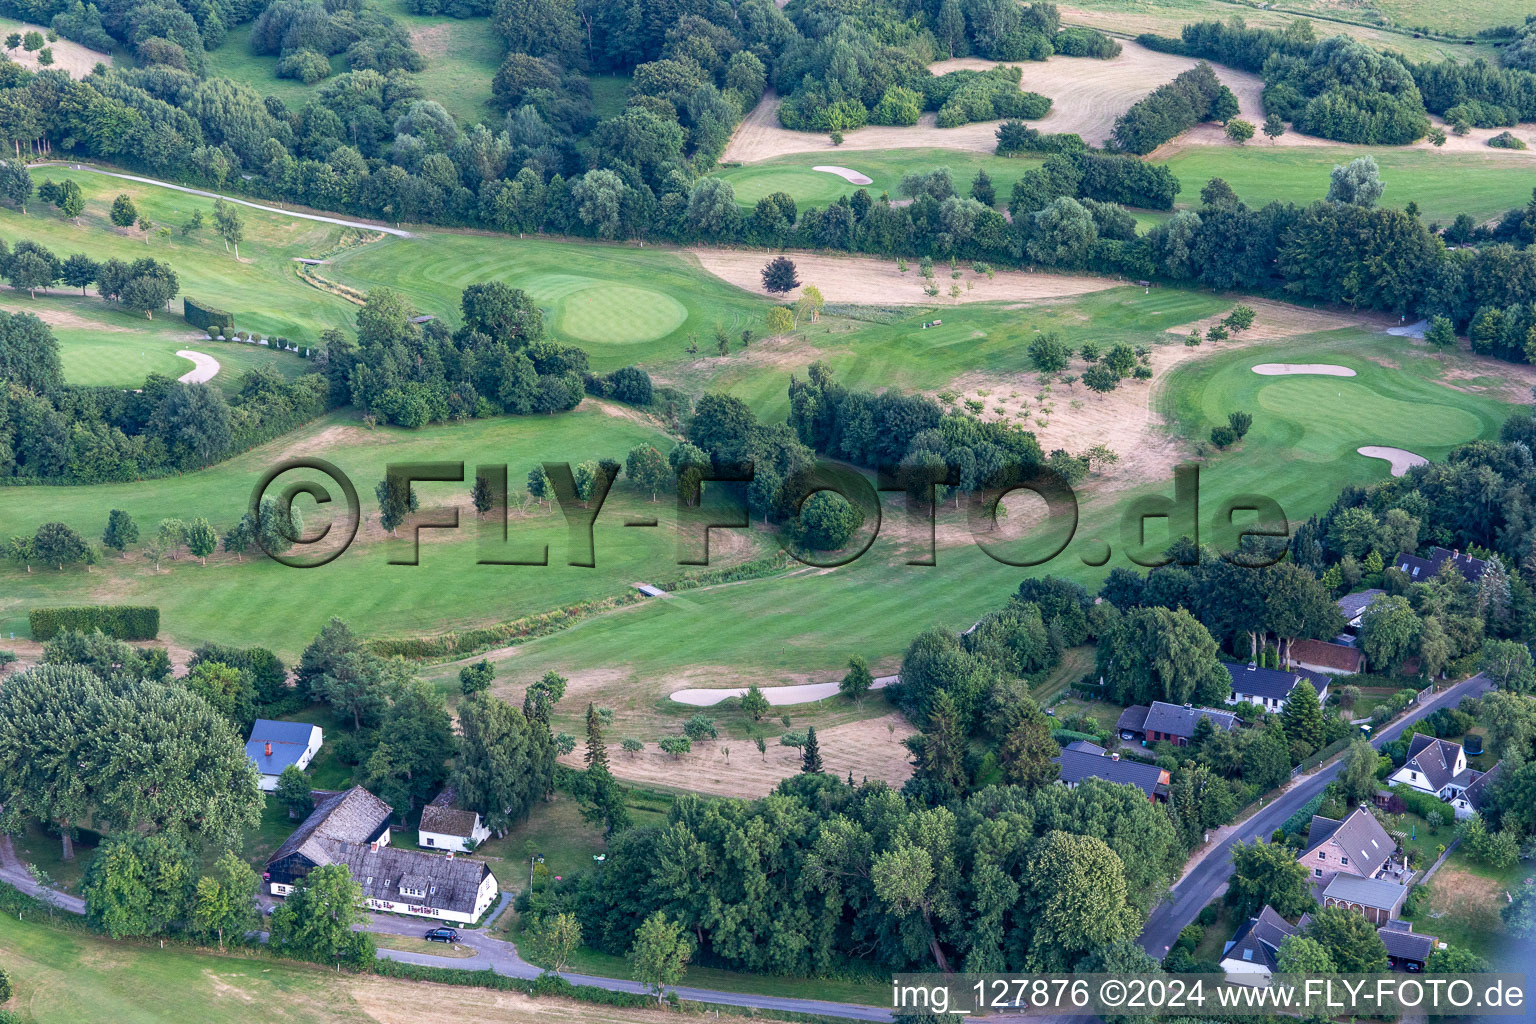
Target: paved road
1202,883
501,956
204,367
361,225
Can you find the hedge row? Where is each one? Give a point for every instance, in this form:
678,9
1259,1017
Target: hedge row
125,622
206,317
543,985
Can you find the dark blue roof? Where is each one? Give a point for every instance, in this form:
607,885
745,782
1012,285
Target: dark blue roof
1276,683
280,732
288,739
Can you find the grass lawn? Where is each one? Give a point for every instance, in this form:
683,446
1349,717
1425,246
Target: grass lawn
409,944
623,304
42,848
793,174
462,58
556,830
236,61
874,991
220,602
260,289
1443,184
610,94
1362,21
1075,663
462,55
1464,903
1214,941
64,976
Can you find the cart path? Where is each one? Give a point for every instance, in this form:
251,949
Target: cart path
342,221
204,367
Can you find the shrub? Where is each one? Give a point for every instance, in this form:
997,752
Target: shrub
1077,41
1504,140
307,66
207,317
122,622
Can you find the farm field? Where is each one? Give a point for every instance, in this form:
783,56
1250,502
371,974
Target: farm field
1443,184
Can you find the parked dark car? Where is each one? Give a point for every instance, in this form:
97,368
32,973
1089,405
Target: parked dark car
443,935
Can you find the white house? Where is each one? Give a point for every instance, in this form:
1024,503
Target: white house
352,828
444,826
1270,688
1439,767
274,746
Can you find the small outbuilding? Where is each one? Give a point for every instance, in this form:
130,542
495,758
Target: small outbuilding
275,745
446,826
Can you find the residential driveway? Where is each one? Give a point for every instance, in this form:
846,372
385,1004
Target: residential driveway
1208,878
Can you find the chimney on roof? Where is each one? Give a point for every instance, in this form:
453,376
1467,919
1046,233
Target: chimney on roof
1189,705
450,855
373,845
269,748
1115,756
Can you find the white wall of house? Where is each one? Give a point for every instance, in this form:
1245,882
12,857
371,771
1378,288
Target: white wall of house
1246,972
443,841
483,900
316,737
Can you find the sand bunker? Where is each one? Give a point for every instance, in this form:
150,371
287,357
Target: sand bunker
874,281
778,696
1400,460
846,173
1289,369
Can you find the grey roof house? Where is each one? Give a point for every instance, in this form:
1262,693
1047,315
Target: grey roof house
1176,723
1253,954
1421,570
1407,950
1379,900
1352,606
1081,761
352,828
1358,845
1270,688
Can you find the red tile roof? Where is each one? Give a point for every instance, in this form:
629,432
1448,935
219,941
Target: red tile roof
1321,652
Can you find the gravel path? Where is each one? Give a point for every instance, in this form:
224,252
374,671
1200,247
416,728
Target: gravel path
360,225
204,368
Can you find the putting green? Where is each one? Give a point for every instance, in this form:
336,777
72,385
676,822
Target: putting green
619,313
1349,411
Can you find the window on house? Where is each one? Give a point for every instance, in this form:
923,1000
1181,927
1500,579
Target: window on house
1317,872
1321,855
429,840
1247,954
1343,860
